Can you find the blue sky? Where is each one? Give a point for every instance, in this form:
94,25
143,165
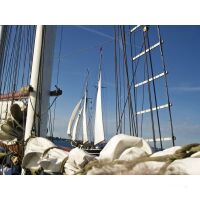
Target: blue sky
80,51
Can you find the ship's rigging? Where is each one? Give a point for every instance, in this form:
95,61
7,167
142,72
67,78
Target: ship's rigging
135,60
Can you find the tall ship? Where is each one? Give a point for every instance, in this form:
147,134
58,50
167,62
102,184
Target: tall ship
26,61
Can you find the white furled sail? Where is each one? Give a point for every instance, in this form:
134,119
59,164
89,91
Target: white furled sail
98,124
85,136
46,75
74,130
72,118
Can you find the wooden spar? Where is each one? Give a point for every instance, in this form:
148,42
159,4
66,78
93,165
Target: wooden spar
22,94
13,95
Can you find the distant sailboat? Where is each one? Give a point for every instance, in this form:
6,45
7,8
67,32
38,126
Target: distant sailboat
79,117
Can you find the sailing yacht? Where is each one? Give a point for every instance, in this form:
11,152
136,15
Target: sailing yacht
79,117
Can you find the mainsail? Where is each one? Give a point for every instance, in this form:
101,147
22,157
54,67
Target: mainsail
98,124
73,117
85,135
74,130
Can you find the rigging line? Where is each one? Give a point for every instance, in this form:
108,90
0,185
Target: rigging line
6,55
117,82
8,62
142,116
116,79
132,125
20,56
39,115
125,75
124,92
120,84
31,45
125,102
57,78
5,60
7,69
2,50
26,47
149,90
60,48
154,89
85,85
13,62
127,80
85,49
166,84
19,47
133,77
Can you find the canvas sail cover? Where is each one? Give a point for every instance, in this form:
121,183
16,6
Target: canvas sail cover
98,124
73,117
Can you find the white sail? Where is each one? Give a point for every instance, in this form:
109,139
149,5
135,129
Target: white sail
98,124
85,136
74,130
73,116
46,66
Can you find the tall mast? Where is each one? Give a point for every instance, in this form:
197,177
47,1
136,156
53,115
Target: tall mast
38,104
34,81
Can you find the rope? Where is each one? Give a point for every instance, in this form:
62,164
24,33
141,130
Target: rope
154,90
130,108
48,149
129,90
57,78
149,90
166,84
134,82
62,167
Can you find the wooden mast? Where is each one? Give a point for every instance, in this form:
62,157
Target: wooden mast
39,92
34,81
